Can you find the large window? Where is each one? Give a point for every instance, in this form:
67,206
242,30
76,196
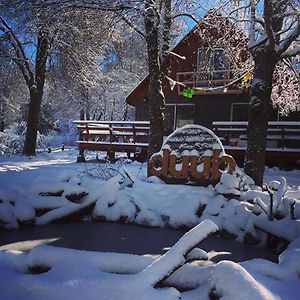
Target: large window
212,59
213,65
178,115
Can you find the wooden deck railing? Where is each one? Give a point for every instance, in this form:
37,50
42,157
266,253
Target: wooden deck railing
283,139
208,79
114,136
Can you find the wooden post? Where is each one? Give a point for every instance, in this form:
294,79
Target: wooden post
134,133
283,138
111,139
87,132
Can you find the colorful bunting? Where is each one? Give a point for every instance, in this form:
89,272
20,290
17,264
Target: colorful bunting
188,92
245,78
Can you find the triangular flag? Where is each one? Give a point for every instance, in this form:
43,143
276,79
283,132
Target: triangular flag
246,77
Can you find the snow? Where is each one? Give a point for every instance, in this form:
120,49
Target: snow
197,254
148,202
194,134
78,274
168,262
29,186
6,212
230,180
24,211
243,123
231,281
285,228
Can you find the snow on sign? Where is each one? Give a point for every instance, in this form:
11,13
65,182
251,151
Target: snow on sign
191,153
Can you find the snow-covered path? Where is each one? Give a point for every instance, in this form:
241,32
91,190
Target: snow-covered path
21,170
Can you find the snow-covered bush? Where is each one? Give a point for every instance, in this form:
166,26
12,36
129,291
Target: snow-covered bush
12,139
234,184
66,134
277,204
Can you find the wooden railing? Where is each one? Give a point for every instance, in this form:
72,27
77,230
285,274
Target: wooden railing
208,79
114,136
283,139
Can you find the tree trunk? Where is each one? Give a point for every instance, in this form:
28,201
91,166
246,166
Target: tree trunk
36,90
2,113
156,96
125,114
32,123
259,108
81,114
2,124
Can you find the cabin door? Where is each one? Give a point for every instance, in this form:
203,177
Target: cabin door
178,115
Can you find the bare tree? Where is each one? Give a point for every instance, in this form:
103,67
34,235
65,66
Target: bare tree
152,19
273,28
280,27
12,90
29,29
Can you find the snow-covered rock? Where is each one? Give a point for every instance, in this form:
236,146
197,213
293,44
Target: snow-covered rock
197,254
231,281
24,211
6,212
230,180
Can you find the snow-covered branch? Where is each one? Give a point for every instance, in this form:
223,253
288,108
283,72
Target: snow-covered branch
186,14
295,33
175,257
177,55
19,55
133,26
268,17
290,52
252,25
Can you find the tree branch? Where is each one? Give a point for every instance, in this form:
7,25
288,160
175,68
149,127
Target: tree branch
22,60
252,24
268,9
186,14
128,22
288,41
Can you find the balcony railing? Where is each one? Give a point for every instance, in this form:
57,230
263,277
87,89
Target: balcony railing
213,81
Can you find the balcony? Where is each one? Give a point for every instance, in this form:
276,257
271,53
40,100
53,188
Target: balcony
210,82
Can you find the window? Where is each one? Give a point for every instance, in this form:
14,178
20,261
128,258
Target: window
212,59
213,67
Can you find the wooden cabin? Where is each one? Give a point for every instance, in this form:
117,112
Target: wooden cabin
208,70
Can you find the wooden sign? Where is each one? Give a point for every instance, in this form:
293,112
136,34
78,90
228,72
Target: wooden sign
191,153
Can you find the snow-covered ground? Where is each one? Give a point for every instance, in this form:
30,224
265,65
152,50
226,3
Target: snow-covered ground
22,170
52,186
